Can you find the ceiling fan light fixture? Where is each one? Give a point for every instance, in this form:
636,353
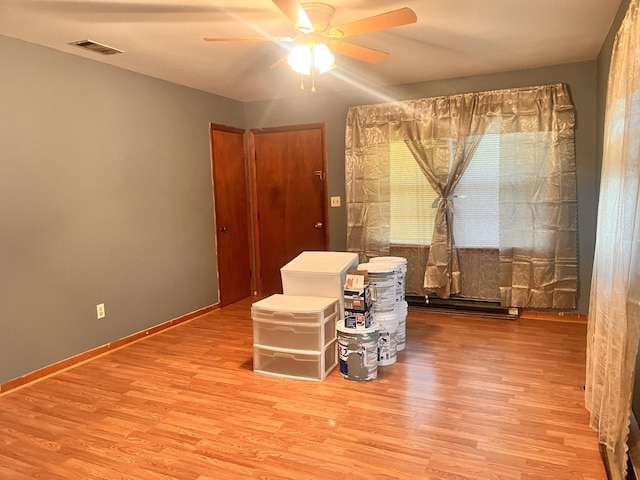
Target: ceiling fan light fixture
323,58
300,59
305,57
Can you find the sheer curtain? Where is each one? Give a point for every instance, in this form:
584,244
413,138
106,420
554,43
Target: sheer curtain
614,312
538,261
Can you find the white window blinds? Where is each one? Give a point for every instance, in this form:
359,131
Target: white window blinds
475,199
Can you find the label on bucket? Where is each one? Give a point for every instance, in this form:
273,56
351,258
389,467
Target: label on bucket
384,294
388,347
343,356
358,356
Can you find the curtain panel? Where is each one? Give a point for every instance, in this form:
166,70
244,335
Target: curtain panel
538,227
614,308
443,150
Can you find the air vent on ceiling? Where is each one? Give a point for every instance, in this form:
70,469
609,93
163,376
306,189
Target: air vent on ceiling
96,47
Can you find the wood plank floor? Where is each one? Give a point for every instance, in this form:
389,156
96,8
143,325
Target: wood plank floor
469,399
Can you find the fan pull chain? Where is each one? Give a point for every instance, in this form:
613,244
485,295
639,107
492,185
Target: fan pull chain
313,81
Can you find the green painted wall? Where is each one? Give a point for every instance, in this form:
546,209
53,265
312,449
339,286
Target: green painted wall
105,197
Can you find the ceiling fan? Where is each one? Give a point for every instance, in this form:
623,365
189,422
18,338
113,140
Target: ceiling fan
318,39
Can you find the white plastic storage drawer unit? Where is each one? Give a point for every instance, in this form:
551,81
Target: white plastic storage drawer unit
318,273
295,322
298,364
295,335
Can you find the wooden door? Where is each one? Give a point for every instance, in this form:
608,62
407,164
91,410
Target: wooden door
289,185
231,198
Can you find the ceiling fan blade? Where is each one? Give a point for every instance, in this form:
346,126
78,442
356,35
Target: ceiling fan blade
294,11
395,18
281,63
249,39
356,51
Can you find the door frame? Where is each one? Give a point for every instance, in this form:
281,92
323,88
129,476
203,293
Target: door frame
216,213
254,189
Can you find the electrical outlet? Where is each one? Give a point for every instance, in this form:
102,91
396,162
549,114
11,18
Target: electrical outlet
101,311
335,201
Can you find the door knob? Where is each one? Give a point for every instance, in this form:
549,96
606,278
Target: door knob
319,225
223,229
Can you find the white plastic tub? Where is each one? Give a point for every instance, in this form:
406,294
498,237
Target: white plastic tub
321,274
298,365
295,322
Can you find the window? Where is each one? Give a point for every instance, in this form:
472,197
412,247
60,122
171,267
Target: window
413,201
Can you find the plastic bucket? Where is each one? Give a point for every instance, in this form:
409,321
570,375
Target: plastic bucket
382,278
358,352
402,310
388,345
401,334
401,272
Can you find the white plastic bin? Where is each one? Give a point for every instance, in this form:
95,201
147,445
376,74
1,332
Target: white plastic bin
320,274
295,322
300,365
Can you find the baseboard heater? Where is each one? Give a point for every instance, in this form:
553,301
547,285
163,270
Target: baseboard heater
463,306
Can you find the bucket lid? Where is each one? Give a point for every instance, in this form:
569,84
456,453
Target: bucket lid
377,267
398,260
362,330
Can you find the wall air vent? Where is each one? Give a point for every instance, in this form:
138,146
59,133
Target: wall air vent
96,47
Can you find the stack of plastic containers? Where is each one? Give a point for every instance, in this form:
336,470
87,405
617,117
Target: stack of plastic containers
400,306
295,336
358,336
382,279
295,333
304,332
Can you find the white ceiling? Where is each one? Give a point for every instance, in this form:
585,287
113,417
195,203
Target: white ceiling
452,38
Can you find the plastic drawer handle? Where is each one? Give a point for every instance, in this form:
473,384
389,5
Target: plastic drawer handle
284,314
284,355
285,329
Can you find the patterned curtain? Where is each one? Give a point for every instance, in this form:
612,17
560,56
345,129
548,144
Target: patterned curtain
538,202
538,260
457,122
